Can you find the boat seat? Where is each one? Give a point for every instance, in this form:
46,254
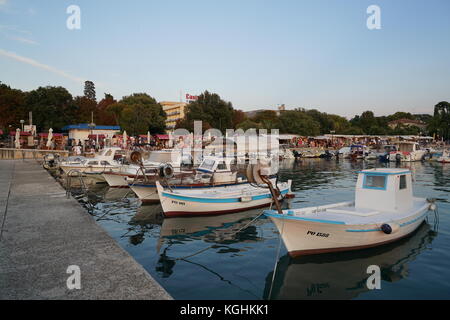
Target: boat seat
354,213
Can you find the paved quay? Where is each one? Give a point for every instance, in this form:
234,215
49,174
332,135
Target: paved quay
43,233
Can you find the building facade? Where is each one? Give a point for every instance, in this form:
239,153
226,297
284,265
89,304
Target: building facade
82,131
175,111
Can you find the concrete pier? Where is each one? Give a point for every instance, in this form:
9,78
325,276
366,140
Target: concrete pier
43,233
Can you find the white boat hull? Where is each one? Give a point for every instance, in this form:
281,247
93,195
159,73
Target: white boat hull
407,156
182,204
303,236
88,169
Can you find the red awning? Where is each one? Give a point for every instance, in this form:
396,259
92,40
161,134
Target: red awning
23,133
94,136
162,136
45,134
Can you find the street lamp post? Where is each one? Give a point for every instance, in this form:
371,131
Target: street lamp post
332,137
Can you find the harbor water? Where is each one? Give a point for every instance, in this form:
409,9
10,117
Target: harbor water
234,256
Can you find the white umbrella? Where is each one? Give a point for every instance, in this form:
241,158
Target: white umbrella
49,137
148,136
17,141
125,139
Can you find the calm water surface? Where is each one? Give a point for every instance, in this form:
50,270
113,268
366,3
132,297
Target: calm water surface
225,257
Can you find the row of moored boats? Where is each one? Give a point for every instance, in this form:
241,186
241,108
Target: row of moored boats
383,209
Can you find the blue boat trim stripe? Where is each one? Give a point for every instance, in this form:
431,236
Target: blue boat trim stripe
289,217
272,213
384,173
217,200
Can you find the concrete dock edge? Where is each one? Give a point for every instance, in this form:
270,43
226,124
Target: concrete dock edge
43,233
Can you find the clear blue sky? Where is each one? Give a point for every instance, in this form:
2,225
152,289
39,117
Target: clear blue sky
256,54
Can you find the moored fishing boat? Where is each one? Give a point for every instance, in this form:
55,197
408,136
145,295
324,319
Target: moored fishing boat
445,158
407,152
384,210
120,178
217,200
105,161
212,172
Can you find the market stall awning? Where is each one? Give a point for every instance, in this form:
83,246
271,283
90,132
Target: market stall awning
23,133
162,136
94,136
45,134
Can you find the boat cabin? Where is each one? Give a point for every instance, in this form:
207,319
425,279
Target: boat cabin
384,189
176,157
211,164
408,146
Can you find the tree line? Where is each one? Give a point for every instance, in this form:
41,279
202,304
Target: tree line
217,113
54,107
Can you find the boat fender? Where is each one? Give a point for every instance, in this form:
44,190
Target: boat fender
166,171
389,228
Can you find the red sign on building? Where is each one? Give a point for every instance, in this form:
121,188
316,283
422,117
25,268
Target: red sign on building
191,98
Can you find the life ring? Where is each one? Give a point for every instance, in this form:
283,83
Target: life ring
166,171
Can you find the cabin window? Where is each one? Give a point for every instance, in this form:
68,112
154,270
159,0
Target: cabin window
402,182
207,164
93,163
104,163
221,166
374,182
108,153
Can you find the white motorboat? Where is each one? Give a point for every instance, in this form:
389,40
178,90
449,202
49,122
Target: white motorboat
357,151
344,152
105,161
384,210
217,200
407,152
212,172
120,178
445,158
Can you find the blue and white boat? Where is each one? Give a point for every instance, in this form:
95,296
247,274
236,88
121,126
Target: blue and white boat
217,200
384,210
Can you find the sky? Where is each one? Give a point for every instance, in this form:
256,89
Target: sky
257,54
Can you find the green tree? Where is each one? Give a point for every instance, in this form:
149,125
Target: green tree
12,107
139,113
298,122
267,119
440,123
52,107
103,116
84,109
248,124
89,90
211,110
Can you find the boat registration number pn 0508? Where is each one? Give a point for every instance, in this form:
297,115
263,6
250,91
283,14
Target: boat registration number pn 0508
180,203
317,234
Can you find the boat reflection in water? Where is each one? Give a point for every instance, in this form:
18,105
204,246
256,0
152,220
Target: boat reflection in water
221,231
344,275
220,228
